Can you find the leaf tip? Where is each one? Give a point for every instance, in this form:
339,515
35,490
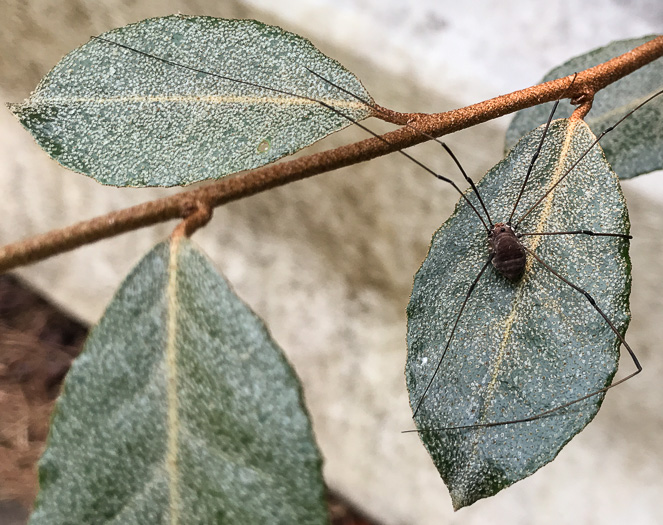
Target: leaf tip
461,498
14,107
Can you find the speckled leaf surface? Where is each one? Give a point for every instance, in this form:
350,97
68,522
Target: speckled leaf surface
635,147
181,409
127,119
525,347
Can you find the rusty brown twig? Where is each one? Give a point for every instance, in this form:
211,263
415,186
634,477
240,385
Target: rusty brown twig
196,215
586,84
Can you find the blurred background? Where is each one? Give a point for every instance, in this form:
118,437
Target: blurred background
328,262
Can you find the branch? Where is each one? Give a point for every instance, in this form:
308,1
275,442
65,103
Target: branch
586,84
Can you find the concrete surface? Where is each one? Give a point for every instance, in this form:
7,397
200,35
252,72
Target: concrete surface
328,262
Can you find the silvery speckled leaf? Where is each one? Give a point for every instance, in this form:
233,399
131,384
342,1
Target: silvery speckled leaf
525,347
127,119
181,409
635,147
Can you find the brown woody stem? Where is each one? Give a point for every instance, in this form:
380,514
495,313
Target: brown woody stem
196,215
586,84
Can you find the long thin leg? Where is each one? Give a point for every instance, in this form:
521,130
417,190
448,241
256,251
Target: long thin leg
453,330
538,150
603,134
304,97
417,130
465,175
560,407
580,232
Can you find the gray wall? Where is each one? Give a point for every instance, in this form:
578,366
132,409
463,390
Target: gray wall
328,262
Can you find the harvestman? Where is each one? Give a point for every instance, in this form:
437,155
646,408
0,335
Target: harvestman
507,253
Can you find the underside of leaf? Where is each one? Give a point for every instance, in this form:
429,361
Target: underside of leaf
635,147
524,347
181,409
176,100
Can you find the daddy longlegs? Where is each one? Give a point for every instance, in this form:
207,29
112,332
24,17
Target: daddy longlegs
506,250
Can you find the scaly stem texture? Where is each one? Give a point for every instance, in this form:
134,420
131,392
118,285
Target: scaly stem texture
586,84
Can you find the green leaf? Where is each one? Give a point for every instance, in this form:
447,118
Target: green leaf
127,119
635,147
181,409
522,347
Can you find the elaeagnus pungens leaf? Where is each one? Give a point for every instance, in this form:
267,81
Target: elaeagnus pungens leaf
127,119
635,147
181,409
522,347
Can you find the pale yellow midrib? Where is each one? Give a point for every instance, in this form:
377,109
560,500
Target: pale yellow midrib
543,218
171,386
189,99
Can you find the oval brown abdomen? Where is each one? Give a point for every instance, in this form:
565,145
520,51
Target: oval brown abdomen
509,256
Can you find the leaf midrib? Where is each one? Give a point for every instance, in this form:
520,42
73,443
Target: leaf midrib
173,422
511,318
197,99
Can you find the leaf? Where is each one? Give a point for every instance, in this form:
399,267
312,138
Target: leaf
181,409
525,347
635,147
127,119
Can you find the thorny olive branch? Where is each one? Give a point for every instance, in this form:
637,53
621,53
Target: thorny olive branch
200,201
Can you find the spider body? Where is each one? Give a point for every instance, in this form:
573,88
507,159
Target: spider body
508,253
